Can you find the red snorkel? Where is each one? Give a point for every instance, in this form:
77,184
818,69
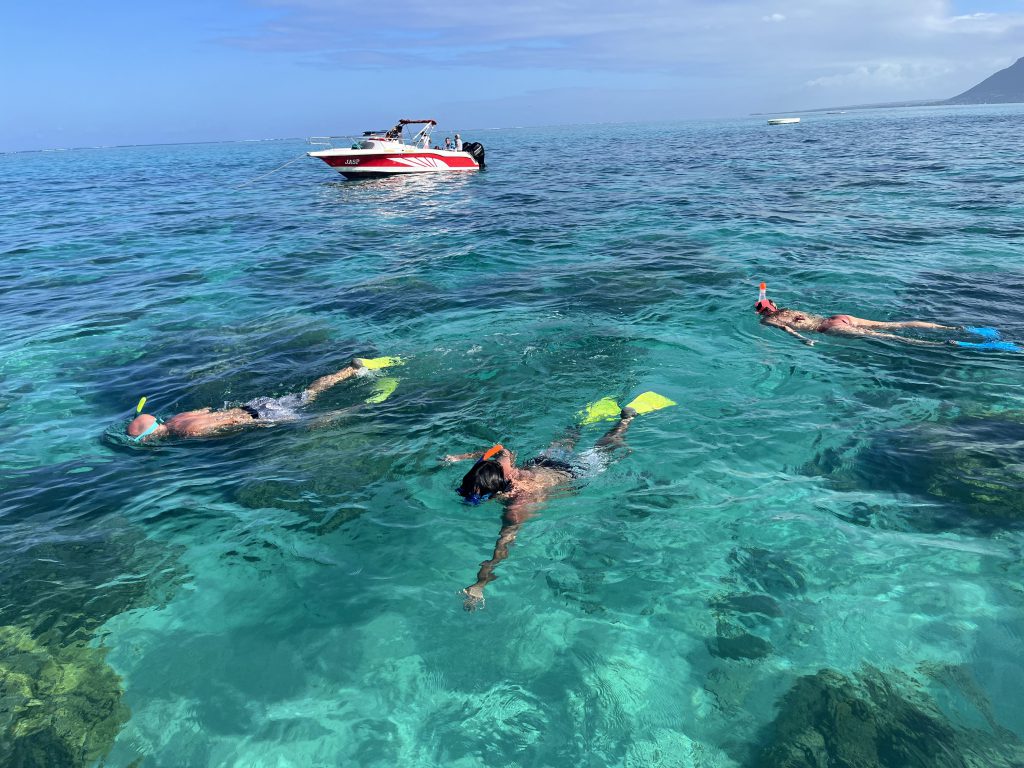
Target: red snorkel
764,304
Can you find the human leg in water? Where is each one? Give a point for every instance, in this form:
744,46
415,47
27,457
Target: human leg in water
860,322
614,437
865,332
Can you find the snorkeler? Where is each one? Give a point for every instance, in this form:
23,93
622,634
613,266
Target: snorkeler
262,411
524,488
792,321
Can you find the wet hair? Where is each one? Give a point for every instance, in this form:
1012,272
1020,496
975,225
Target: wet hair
484,479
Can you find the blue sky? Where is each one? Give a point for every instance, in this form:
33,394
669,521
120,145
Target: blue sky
113,72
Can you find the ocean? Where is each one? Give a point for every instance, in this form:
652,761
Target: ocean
815,555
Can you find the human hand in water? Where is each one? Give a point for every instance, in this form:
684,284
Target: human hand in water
453,458
474,597
809,342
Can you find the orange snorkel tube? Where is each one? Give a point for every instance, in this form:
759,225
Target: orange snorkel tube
492,451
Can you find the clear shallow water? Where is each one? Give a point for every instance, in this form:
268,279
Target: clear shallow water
288,596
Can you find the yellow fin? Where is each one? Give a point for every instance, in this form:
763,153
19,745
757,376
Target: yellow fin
650,401
376,363
604,409
382,389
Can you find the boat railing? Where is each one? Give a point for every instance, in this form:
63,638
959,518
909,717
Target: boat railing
327,141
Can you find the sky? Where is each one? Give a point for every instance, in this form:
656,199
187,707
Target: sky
114,72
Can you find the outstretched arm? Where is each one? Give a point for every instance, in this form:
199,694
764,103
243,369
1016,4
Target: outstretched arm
505,457
451,458
513,519
791,332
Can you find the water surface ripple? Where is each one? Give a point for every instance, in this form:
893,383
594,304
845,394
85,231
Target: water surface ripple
845,518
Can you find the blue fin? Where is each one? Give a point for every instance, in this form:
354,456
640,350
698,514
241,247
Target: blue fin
984,331
1004,346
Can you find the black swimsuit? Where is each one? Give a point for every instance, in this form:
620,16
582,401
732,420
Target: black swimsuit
558,466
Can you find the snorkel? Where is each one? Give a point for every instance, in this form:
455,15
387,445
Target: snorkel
475,497
491,452
764,305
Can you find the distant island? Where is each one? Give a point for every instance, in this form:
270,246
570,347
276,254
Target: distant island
1004,87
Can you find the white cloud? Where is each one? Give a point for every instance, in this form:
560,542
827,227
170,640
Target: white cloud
991,24
884,75
872,49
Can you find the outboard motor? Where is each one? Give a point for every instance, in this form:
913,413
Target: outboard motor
476,150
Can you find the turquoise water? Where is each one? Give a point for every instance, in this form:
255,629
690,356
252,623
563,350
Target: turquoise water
288,596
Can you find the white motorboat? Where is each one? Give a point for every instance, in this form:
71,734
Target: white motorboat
395,152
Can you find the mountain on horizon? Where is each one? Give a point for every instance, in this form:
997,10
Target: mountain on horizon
1005,86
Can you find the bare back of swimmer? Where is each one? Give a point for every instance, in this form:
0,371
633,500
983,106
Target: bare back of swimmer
792,321
523,489
262,411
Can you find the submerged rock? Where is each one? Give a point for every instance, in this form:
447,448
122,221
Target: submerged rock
732,642
63,591
763,570
741,617
973,466
874,720
58,706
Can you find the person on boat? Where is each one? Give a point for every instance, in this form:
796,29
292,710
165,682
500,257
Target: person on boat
458,143
523,488
262,411
448,143
792,321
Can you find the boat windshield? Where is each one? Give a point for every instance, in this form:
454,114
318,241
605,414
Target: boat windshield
414,133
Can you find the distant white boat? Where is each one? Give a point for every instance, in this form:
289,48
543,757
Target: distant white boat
783,120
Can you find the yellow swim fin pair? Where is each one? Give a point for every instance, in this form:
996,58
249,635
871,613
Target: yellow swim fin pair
382,388
606,408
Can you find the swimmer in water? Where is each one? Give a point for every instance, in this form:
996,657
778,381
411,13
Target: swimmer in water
262,411
792,321
522,489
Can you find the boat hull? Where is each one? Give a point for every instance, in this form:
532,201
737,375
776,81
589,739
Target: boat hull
363,163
